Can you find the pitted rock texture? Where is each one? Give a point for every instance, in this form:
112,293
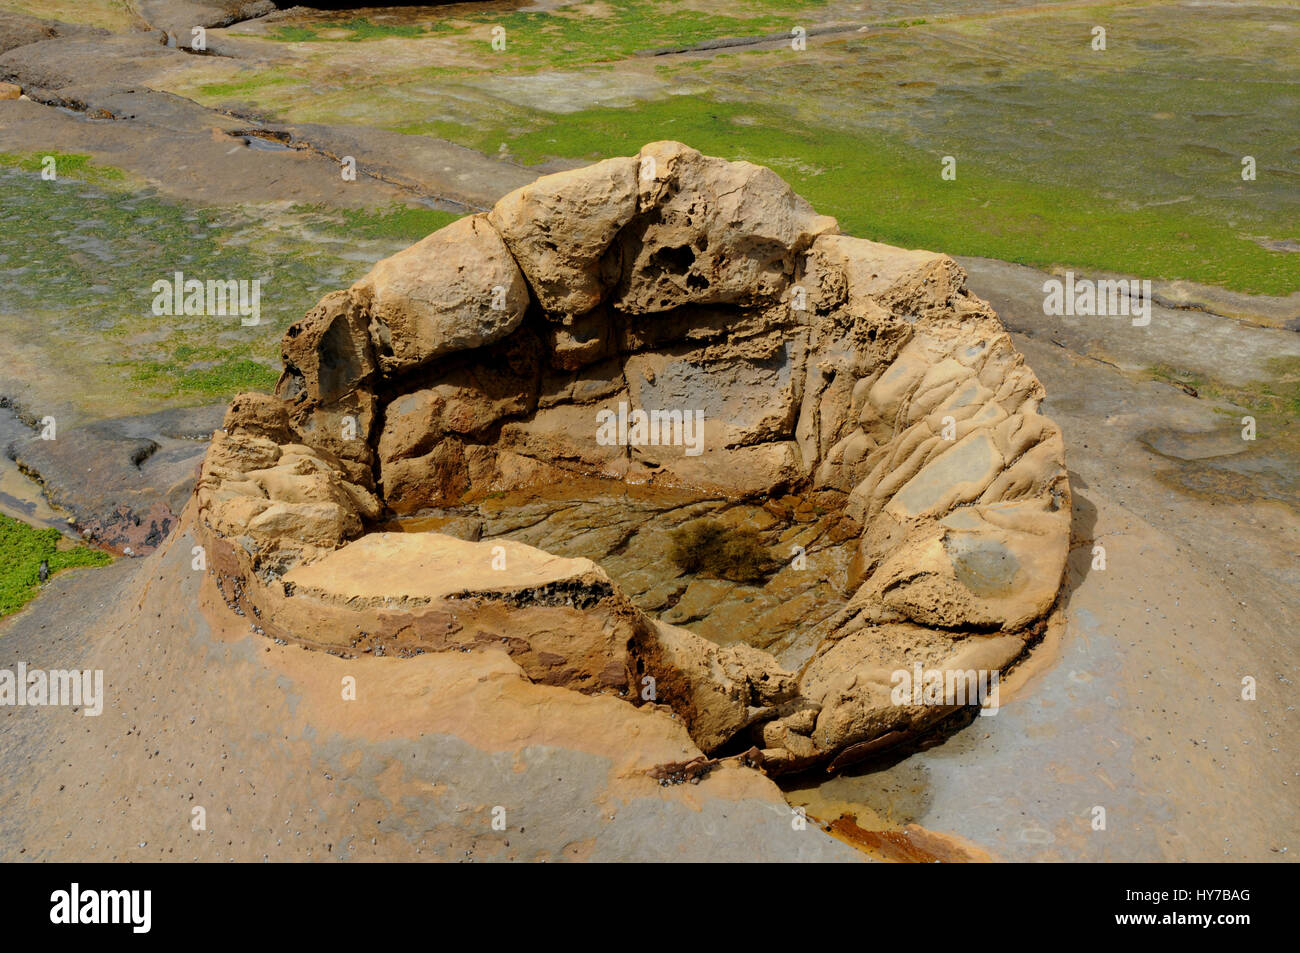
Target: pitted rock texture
477,361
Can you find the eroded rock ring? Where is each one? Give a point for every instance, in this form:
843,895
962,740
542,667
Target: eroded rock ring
476,360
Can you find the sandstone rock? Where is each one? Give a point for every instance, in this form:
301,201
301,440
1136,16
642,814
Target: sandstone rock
259,415
178,17
744,398
717,690
439,477
578,340
691,326
744,471
567,434
561,620
560,226
455,290
856,272
327,355
344,428
463,406
288,499
589,385
10,91
854,679
719,232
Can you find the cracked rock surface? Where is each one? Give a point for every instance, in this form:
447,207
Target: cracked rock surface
860,379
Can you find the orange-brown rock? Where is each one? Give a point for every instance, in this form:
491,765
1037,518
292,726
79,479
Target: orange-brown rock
675,320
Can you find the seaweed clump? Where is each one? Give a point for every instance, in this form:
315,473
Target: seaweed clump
712,548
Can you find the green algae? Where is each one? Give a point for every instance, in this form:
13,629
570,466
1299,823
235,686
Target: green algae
23,548
78,260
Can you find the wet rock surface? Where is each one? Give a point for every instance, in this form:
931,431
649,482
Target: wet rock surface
188,150
634,533
17,29
775,359
123,482
178,17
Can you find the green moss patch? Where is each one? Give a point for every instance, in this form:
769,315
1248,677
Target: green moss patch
397,222
1278,396
23,548
882,188
355,30
73,165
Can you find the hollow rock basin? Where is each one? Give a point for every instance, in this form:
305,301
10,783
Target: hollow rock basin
512,434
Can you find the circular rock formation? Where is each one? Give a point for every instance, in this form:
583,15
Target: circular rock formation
673,321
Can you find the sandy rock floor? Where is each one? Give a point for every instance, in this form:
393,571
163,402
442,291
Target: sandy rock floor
259,736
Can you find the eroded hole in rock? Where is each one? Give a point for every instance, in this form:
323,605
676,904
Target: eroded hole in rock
729,570
675,261
752,498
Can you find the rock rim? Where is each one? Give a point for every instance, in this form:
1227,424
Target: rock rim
683,290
